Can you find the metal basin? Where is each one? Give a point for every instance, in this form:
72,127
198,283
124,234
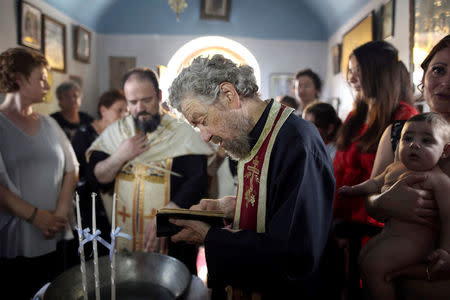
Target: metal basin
138,276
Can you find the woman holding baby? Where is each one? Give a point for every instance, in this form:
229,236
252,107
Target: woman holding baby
430,279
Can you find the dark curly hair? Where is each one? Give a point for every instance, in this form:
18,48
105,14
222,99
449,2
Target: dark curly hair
18,60
108,98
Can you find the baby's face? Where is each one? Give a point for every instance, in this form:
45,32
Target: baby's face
421,146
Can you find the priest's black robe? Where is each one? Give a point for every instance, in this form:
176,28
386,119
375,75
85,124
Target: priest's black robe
283,262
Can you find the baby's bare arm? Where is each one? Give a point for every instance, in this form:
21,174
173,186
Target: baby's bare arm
368,187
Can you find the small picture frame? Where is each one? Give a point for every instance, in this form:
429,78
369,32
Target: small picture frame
428,24
30,26
215,10
54,37
281,84
82,44
387,19
336,57
118,67
360,34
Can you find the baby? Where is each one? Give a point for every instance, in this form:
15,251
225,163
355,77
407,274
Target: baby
425,139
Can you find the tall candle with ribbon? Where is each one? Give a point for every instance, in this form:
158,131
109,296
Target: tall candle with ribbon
94,247
80,240
113,257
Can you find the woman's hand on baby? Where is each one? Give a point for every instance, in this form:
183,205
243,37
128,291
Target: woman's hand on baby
411,204
439,266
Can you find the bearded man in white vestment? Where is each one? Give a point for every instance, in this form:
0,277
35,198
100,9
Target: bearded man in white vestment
150,160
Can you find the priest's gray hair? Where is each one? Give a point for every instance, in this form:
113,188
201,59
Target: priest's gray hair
203,77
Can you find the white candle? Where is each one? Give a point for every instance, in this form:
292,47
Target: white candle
80,240
94,246
113,217
113,260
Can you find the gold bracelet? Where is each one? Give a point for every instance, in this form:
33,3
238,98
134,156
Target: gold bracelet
428,274
33,215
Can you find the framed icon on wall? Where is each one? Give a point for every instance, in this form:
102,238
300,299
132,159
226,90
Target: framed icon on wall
55,43
360,34
215,9
30,26
82,44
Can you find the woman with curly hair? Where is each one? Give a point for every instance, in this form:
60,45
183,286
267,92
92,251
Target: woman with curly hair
38,174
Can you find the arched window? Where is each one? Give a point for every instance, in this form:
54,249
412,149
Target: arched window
206,46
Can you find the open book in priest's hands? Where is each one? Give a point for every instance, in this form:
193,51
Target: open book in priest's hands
165,228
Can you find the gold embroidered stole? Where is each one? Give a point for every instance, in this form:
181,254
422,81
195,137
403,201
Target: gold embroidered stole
250,211
141,190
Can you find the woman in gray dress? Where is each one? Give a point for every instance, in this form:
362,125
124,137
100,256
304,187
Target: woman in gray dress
38,174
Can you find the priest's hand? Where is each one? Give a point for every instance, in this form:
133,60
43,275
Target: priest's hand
228,205
106,170
193,232
48,223
132,147
225,204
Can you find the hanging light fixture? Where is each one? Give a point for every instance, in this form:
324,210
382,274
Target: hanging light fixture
178,6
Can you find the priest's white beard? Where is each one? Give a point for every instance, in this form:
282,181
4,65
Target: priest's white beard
237,147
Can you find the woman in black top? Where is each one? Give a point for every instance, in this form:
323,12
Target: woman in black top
69,117
111,107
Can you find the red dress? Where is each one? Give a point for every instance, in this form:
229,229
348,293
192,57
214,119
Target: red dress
352,167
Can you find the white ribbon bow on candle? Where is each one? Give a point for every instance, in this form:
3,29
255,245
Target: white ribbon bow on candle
90,237
115,234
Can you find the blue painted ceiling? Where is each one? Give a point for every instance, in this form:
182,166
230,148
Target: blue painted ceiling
266,19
